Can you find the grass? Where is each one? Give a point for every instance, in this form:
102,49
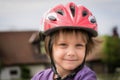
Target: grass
115,76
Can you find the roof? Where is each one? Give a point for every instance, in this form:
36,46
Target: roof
15,49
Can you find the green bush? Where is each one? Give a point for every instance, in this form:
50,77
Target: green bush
25,72
111,50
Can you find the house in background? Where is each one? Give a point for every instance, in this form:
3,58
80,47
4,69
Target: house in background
16,50
24,48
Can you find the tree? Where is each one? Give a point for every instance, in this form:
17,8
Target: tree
111,52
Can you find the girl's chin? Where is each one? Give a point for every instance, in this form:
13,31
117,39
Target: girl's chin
70,68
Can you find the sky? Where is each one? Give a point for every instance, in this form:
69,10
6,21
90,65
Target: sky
25,15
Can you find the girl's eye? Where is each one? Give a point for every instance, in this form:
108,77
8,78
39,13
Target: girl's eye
80,45
63,45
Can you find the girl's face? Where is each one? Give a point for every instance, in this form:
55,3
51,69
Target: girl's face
69,51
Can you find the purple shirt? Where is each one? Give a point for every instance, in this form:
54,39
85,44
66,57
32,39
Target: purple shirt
84,74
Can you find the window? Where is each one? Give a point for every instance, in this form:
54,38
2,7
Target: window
13,72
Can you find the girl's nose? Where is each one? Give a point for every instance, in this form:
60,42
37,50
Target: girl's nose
71,52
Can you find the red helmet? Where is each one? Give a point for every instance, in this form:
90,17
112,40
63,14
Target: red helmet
70,16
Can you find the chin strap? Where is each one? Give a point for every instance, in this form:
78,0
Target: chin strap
54,70
52,61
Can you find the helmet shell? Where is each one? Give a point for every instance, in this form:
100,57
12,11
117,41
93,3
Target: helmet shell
69,16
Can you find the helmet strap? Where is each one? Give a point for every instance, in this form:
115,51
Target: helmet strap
50,44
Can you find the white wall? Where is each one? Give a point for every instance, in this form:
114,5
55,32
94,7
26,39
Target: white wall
6,73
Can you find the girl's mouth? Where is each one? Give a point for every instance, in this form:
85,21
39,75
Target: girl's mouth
70,59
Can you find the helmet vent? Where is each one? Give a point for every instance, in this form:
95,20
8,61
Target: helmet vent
52,18
72,8
60,12
92,19
84,13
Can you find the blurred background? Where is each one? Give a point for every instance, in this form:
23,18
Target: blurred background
22,53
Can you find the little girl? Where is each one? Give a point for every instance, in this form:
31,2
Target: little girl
68,34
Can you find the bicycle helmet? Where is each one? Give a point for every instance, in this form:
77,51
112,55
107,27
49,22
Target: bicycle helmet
70,16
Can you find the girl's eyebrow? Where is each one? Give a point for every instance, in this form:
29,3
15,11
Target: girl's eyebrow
80,44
